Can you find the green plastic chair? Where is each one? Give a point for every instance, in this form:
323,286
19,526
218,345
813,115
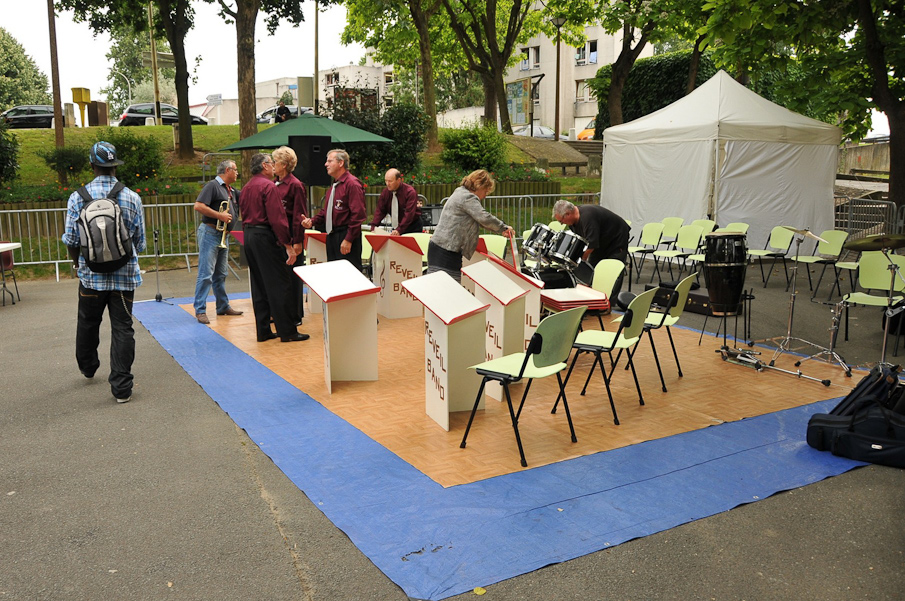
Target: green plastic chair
495,244
735,226
688,241
547,354
660,317
651,234
777,248
671,227
631,327
874,274
825,253
708,225
557,226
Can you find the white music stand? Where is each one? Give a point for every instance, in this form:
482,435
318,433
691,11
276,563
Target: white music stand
350,320
504,331
479,255
315,252
532,300
453,341
396,259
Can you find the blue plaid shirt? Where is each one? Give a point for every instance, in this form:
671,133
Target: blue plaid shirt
127,277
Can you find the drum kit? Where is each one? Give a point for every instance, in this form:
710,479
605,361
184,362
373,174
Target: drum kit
557,257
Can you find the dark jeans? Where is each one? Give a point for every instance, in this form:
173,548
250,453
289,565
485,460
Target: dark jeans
122,346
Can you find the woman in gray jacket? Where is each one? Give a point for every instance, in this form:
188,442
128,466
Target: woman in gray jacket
456,235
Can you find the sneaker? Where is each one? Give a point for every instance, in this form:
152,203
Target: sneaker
125,400
202,318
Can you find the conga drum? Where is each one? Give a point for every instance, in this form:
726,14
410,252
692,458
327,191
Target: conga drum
725,263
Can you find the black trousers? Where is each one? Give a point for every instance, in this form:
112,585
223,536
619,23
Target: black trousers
297,302
414,227
335,240
271,293
118,303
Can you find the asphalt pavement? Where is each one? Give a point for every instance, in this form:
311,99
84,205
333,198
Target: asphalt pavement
165,498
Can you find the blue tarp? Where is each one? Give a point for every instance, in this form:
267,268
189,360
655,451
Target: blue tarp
436,542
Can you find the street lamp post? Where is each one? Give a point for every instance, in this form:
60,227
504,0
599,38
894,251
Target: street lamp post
558,22
128,83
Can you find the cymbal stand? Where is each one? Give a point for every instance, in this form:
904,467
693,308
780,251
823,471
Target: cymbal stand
831,353
785,343
157,297
890,310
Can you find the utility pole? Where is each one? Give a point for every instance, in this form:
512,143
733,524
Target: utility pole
316,81
157,120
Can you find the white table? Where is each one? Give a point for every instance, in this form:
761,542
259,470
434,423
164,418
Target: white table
453,341
396,259
349,302
504,331
7,247
315,252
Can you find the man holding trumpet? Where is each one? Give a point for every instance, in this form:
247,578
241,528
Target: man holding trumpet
218,208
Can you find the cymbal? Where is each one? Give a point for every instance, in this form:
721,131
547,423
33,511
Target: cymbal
878,242
805,233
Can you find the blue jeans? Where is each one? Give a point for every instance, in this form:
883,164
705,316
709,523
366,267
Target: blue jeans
212,269
118,304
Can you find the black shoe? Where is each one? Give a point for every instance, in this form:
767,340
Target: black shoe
88,374
266,337
295,338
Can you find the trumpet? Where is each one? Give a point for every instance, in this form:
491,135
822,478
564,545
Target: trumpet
221,225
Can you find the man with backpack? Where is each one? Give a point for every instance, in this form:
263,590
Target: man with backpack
104,233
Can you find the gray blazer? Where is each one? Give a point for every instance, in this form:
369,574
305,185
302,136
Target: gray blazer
457,230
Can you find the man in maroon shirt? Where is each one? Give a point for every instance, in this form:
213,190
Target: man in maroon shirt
267,247
400,201
343,212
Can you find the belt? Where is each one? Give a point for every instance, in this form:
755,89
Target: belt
259,227
213,225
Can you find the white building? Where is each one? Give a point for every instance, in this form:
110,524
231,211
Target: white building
577,104
370,82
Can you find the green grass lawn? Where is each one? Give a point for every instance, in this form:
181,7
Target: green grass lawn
209,138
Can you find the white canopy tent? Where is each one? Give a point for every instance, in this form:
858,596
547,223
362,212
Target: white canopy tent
725,153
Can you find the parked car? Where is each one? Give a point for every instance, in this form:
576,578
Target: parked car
29,115
137,113
540,131
269,115
588,132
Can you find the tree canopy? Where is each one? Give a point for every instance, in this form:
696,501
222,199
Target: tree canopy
21,82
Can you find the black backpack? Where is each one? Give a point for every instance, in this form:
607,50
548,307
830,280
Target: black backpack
104,238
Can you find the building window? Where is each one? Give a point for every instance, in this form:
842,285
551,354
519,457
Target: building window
587,54
525,63
388,101
583,92
535,51
331,79
581,55
388,78
592,52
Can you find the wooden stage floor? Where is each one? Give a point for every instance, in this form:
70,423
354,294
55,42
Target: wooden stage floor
391,410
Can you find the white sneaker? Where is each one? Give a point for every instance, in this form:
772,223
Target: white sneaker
125,400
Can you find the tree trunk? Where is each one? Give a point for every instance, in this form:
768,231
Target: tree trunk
246,15
489,99
621,68
694,65
176,24
897,155
421,19
500,88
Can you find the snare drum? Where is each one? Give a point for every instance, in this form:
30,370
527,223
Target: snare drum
567,248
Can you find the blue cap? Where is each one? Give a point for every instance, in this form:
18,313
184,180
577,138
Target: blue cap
103,154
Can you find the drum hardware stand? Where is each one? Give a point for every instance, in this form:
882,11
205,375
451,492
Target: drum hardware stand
749,359
157,297
830,352
891,311
746,298
785,342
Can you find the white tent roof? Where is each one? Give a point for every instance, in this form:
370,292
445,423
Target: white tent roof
723,109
